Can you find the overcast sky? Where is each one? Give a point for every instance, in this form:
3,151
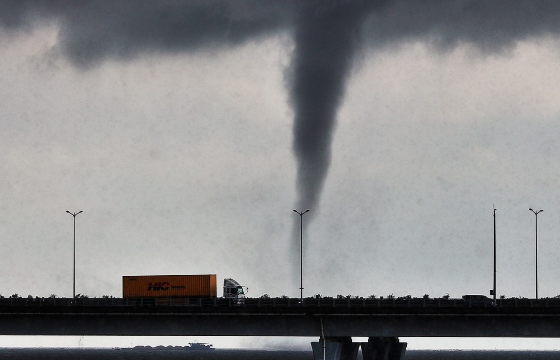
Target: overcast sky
188,131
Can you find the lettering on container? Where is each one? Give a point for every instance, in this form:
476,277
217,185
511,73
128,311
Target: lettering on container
158,286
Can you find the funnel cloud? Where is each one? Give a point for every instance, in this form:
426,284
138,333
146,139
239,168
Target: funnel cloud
325,43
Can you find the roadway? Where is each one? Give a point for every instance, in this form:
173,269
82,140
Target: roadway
412,317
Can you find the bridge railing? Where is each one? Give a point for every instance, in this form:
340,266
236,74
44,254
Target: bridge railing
279,302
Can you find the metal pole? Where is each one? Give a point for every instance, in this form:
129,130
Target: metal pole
74,267
301,250
301,257
494,291
536,258
536,253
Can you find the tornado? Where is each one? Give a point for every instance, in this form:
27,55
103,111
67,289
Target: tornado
326,40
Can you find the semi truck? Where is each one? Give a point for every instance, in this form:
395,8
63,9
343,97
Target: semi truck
181,286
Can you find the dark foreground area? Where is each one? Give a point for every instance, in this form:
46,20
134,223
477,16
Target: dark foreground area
223,354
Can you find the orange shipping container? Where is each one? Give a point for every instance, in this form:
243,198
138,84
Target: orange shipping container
169,286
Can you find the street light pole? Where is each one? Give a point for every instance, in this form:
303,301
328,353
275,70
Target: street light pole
74,272
301,250
536,254
494,291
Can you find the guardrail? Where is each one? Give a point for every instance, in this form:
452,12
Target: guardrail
282,302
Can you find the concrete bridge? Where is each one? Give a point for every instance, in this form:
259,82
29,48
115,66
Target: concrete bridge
333,321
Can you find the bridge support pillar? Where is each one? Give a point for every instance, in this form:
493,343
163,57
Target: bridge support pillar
335,348
383,348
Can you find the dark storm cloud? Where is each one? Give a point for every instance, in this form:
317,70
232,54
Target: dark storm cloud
92,31
15,15
488,25
123,29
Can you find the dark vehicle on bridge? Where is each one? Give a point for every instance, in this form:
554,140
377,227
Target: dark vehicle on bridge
477,300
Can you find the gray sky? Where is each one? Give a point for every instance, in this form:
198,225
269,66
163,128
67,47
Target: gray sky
171,125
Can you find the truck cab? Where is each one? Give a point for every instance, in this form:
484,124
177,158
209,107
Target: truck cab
232,290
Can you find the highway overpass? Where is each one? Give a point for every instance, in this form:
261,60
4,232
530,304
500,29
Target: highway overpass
336,320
